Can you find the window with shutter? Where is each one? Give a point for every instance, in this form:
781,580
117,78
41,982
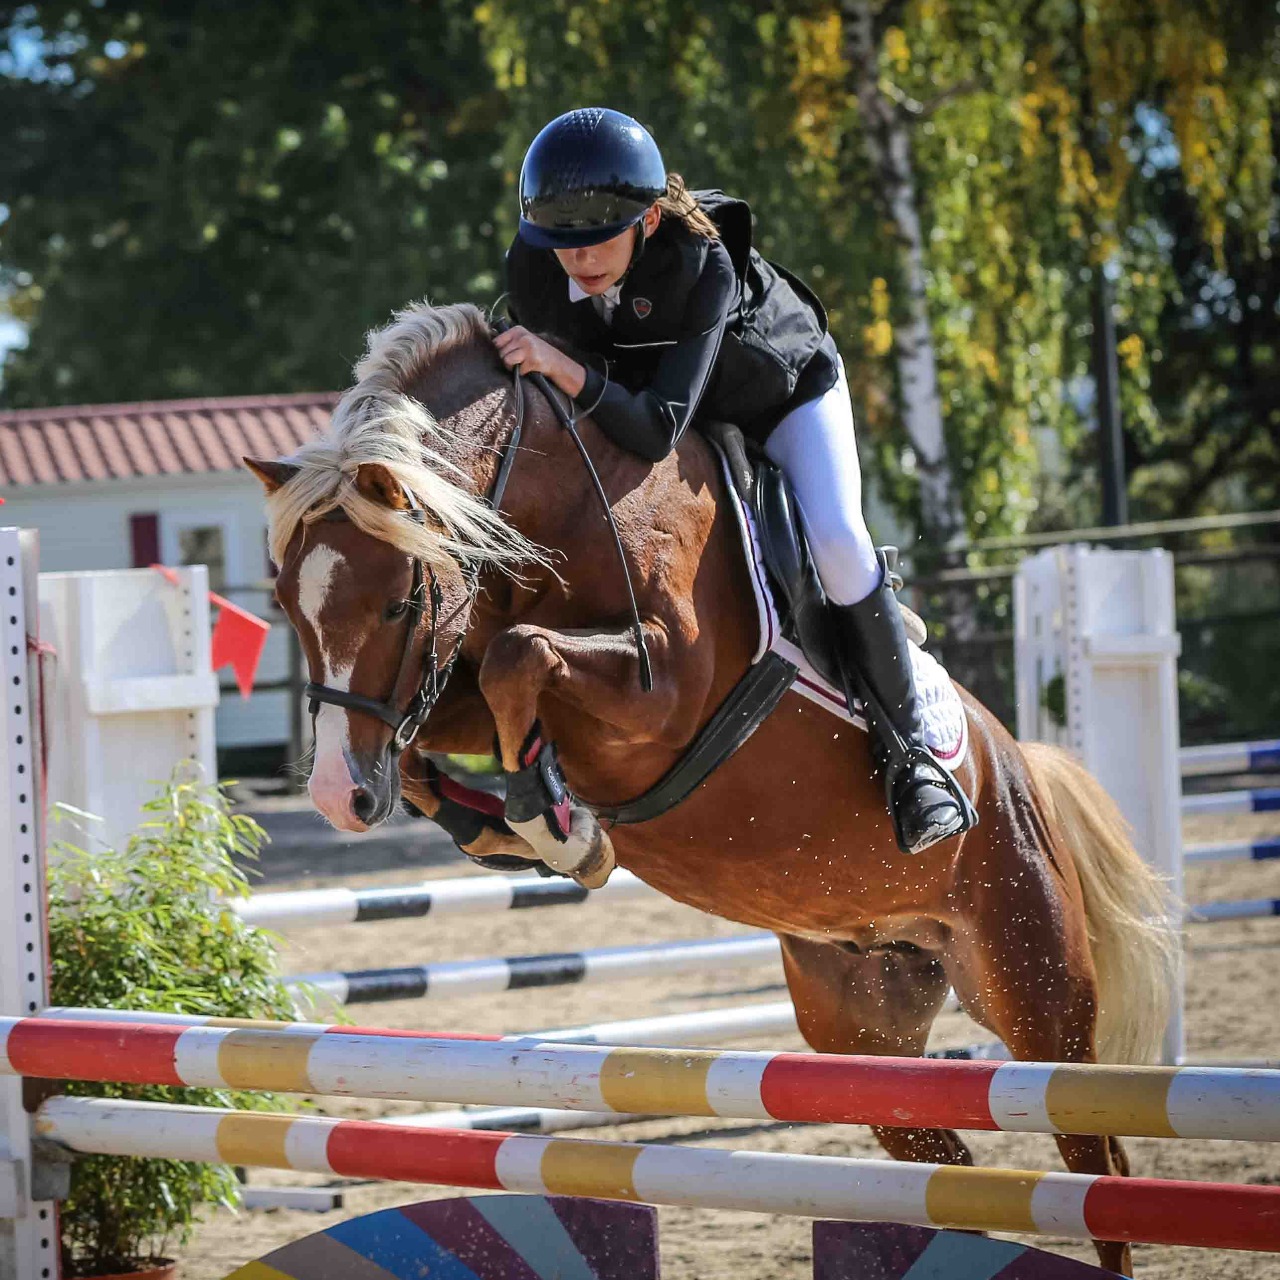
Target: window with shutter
144,539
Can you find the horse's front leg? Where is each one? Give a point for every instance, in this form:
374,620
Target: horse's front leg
596,672
475,823
461,724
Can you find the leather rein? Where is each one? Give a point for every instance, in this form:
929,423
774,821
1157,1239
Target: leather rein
425,593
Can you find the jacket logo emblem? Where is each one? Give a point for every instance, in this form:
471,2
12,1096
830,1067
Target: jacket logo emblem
642,307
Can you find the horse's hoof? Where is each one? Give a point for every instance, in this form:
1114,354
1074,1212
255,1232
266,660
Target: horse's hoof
594,870
491,843
586,855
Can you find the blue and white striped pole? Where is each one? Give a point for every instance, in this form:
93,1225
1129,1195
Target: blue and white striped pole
1239,909
1235,851
1230,757
1229,803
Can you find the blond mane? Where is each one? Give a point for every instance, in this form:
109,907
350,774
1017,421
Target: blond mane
376,421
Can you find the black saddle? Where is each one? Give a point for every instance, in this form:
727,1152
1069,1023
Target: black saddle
802,604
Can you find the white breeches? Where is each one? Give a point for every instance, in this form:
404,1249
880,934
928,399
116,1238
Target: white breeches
815,446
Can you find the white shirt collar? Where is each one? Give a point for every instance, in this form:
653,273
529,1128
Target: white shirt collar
605,303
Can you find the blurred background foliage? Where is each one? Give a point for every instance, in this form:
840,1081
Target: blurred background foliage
220,199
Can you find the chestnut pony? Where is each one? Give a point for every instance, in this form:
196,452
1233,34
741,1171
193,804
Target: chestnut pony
1043,918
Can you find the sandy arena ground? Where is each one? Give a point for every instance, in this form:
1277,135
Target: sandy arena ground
1232,990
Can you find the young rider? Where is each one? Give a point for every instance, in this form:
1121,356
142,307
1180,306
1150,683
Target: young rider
615,257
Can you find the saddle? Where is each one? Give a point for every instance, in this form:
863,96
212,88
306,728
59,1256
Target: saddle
797,591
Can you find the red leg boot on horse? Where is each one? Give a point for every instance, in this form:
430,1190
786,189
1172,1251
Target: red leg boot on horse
539,808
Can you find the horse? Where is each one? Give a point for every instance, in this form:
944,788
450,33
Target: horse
1043,919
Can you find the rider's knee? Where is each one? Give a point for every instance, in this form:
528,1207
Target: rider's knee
844,555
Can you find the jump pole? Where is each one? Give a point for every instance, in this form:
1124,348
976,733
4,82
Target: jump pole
515,973
1234,851
1230,757
1239,909
703,1026
438,899
1079,1206
1176,1102
1225,804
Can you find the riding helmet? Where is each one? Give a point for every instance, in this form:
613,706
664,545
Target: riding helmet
588,176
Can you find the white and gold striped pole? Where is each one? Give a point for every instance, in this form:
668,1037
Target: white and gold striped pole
1147,1210
1028,1097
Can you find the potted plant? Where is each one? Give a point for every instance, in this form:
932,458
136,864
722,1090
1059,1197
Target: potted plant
145,927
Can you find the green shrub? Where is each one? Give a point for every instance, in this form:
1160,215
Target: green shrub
145,928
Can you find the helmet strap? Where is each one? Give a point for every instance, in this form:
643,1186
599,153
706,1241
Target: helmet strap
637,249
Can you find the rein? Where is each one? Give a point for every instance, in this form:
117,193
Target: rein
569,422
406,723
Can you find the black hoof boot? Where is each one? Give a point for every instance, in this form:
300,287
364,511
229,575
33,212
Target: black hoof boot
925,802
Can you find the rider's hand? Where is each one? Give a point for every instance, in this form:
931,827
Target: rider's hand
517,346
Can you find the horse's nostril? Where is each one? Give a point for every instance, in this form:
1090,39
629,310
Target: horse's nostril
363,804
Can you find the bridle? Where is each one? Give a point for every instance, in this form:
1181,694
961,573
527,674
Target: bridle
425,591
405,723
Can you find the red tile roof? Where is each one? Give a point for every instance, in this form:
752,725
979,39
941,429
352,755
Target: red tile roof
174,437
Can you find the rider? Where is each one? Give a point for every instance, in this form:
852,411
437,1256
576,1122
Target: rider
678,316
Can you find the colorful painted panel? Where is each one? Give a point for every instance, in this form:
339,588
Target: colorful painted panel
476,1238
891,1251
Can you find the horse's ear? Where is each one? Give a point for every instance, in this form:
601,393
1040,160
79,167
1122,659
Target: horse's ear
377,484
272,474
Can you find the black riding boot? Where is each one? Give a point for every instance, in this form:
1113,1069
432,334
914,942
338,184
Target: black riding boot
925,801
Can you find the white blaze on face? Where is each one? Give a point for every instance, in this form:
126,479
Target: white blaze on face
331,785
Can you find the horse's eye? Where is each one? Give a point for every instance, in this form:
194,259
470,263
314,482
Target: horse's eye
396,609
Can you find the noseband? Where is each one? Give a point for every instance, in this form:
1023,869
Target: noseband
407,722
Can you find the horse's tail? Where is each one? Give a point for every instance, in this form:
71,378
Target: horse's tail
1127,908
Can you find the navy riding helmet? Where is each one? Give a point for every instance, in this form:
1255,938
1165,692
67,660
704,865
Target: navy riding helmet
588,176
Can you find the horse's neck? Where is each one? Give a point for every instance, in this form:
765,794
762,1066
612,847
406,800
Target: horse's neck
475,405
679,536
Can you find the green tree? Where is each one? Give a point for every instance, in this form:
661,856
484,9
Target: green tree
1027,148
218,199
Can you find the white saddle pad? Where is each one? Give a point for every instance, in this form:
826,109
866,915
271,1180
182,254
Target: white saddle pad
946,726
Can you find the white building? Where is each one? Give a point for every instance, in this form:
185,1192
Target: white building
128,485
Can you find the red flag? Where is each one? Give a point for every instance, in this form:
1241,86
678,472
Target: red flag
238,637
238,641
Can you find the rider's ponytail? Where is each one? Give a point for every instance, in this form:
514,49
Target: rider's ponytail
678,203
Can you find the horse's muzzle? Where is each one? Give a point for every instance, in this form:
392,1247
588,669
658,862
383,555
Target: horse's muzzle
354,794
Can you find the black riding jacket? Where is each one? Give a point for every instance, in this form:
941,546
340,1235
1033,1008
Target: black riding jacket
702,327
